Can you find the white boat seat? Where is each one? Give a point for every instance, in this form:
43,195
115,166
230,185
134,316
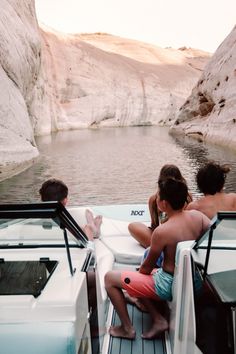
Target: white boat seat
79,215
105,261
115,236
126,249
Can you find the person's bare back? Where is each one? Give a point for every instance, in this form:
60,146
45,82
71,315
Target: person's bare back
211,204
150,284
181,226
210,180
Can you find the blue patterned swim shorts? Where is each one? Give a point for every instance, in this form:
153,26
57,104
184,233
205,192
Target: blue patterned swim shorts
163,284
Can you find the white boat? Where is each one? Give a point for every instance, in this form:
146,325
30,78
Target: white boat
52,295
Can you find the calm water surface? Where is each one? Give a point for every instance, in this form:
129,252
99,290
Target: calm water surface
112,165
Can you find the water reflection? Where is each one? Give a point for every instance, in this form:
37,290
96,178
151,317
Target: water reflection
200,153
113,165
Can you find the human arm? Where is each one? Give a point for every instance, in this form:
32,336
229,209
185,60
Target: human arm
153,211
155,250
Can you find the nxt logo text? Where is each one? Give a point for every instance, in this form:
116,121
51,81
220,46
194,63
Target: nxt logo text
137,212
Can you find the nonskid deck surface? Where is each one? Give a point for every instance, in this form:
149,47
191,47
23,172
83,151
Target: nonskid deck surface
141,322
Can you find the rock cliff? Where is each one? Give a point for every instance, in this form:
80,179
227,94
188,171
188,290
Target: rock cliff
19,67
103,80
50,81
209,113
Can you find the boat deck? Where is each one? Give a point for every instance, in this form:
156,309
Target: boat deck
141,322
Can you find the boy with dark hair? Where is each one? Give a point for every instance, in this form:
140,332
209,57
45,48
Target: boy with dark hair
56,190
141,232
149,284
211,177
210,180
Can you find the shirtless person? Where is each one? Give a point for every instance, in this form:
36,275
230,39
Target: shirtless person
56,190
148,284
210,180
143,233
140,231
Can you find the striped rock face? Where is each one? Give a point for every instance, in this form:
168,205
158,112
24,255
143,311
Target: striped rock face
209,113
19,67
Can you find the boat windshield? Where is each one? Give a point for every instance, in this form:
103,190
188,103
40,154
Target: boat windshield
41,224
219,242
222,232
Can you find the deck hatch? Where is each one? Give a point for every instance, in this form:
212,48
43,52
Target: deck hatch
25,277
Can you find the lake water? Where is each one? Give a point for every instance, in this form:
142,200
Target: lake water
112,165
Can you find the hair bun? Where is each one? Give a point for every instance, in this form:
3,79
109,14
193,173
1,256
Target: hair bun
226,168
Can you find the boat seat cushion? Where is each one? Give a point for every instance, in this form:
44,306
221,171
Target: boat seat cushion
105,261
114,232
126,249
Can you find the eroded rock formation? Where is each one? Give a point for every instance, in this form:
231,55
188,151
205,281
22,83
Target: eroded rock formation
19,66
103,80
50,81
209,113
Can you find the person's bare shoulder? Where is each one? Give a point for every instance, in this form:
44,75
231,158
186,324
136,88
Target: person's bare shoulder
160,232
164,233
193,205
200,218
202,204
232,198
197,213
230,195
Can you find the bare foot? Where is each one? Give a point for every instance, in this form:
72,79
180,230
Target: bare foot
135,301
98,222
89,216
90,221
95,223
157,330
121,332
89,232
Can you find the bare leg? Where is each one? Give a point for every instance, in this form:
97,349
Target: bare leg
95,223
160,324
152,204
114,290
135,301
90,220
141,233
88,230
98,222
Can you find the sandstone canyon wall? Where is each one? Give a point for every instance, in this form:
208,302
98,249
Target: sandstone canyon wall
209,113
103,80
51,81
19,66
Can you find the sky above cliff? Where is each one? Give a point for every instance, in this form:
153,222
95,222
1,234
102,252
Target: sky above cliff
201,24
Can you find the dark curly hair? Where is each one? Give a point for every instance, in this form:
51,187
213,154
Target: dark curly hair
211,177
53,190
